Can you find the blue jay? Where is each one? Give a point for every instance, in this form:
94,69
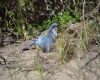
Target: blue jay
45,40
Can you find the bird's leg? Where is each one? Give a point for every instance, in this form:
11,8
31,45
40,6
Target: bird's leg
45,56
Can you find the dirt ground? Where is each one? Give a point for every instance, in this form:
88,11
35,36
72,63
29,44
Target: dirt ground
21,65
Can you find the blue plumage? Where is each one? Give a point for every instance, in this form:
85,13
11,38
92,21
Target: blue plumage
45,40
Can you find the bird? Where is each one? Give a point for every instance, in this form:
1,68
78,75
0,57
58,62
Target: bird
46,39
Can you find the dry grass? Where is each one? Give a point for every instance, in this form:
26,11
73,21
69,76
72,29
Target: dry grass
77,38
72,41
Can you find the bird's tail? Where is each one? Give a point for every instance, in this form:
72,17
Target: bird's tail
33,42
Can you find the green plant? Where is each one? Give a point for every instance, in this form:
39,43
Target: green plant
62,51
83,41
66,47
62,18
38,60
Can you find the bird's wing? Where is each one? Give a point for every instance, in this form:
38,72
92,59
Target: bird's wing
45,33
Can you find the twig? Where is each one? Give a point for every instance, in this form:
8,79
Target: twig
4,60
92,59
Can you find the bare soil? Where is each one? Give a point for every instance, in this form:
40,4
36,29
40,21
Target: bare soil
16,64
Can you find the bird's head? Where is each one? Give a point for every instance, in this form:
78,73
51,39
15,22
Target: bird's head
53,30
54,25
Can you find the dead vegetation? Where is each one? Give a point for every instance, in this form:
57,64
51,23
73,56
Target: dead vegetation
74,52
